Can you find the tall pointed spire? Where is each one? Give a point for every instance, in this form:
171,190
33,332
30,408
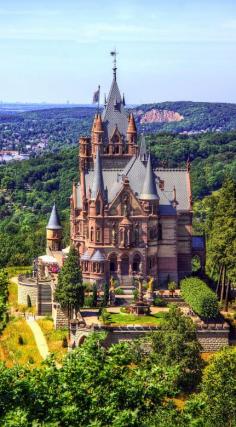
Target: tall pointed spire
114,112
98,184
54,221
143,149
149,190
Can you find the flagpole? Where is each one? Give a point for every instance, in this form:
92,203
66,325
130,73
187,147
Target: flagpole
98,98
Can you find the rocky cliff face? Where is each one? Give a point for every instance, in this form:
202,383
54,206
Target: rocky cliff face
159,116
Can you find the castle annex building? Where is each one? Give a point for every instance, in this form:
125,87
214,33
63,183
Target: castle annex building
127,217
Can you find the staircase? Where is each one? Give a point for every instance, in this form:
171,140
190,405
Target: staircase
44,299
126,284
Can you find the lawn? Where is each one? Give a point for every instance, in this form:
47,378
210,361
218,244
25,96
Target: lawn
17,344
132,319
54,338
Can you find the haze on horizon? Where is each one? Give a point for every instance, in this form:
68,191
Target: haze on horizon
59,50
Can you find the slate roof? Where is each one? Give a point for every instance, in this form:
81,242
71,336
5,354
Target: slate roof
54,221
85,256
98,185
135,170
149,190
98,256
114,113
143,154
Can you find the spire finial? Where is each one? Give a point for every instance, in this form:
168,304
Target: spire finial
114,53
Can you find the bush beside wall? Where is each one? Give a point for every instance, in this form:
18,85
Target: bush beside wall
200,297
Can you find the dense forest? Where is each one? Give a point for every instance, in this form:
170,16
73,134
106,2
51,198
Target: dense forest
198,116
29,188
57,127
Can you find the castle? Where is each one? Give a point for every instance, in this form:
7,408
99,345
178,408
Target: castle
128,218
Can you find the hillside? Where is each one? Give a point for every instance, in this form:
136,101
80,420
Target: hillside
187,116
49,129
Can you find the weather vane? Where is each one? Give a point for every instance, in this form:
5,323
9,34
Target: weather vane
114,53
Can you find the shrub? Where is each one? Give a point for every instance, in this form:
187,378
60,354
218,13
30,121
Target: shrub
172,287
125,310
88,302
119,291
159,302
135,294
200,297
106,316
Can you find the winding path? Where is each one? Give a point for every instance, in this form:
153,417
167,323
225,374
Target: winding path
39,337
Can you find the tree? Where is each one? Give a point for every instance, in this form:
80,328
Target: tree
3,298
94,296
105,299
172,287
70,290
215,406
175,343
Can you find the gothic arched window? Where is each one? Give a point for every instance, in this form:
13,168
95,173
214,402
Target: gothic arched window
92,234
98,234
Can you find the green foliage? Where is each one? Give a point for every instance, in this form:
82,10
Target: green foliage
200,297
3,298
105,316
175,344
105,299
94,296
159,302
93,387
172,287
119,291
70,291
212,157
215,406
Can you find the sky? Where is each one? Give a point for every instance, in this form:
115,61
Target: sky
168,50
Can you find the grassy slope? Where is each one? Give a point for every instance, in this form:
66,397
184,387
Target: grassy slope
11,351
54,338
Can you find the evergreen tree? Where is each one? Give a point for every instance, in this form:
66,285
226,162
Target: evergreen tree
222,234
70,290
94,296
3,298
105,299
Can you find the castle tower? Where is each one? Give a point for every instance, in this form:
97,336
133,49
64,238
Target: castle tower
53,232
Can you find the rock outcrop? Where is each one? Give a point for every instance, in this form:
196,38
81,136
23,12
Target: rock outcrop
159,116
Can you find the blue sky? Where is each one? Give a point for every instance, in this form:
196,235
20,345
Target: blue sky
55,51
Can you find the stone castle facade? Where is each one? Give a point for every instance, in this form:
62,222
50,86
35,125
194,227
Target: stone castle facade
128,218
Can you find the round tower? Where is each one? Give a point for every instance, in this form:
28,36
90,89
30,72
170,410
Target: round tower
53,232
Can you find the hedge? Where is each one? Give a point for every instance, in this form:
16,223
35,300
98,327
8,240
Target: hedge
200,297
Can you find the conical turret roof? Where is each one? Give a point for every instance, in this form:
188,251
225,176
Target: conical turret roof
149,190
114,112
98,184
143,149
131,126
54,221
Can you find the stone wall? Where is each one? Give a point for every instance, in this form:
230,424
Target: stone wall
60,318
27,287
210,338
